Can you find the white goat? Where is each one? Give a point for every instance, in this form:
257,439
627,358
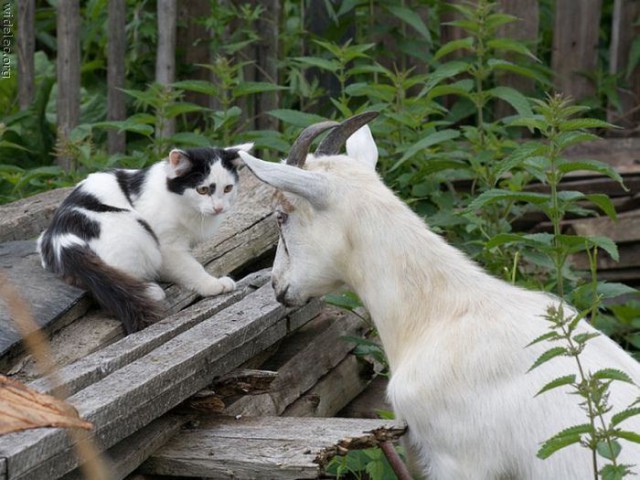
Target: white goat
455,337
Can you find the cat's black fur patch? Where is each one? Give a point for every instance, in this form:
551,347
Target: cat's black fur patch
149,230
82,199
131,182
201,161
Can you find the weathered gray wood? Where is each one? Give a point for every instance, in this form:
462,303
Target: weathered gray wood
68,75
166,58
370,401
136,394
308,355
266,447
267,28
621,153
629,254
28,217
116,48
525,29
625,229
334,391
575,42
98,365
596,185
624,31
50,299
26,44
131,452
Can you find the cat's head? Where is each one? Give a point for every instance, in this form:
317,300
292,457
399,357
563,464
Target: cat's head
206,178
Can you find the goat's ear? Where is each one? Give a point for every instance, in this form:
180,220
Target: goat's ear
312,186
233,152
362,147
179,163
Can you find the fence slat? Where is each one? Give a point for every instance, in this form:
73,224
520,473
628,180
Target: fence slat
575,42
166,57
26,48
116,107
624,31
68,73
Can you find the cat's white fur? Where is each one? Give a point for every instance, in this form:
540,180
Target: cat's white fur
456,338
178,221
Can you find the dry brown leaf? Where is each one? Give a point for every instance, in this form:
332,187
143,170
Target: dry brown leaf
22,408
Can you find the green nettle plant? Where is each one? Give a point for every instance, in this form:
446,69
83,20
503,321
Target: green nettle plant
554,120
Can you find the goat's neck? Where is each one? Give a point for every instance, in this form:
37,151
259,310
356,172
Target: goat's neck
409,279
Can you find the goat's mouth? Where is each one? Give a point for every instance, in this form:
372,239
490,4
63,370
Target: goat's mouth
288,301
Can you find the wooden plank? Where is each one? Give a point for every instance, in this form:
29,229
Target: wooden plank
372,400
307,356
267,68
621,153
143,390
624,31
98,365
167,13
595,185
625,229
50,299
28,217
629,258
247,234
266,447
334,391
575,42
131,452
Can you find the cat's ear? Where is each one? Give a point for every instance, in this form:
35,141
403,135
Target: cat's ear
232,153
179,163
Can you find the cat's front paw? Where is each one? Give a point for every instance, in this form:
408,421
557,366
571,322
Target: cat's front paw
216,286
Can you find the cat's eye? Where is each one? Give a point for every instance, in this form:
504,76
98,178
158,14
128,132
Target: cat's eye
202,189
281,217
228,188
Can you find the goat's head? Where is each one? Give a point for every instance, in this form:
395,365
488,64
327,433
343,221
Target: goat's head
313,205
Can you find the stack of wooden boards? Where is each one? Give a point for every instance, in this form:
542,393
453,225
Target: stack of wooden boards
152,396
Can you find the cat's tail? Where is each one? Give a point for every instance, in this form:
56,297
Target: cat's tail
130,300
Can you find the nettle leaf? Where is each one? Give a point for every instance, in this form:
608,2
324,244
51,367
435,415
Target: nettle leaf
606,244
630,436
550,337
623,415
549,355
496,195
567,166
613,289
609,450
611,472
535,122
445,72
566,139
510,45
321,63
519,156
579,123
585,337
537,240
612,374
249,88
514,98
604,203
499,64
563,439
430,140
295,117
409,16
200,86
347,300
558,382
463,43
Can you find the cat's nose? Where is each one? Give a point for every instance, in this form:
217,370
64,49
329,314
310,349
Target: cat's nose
217,209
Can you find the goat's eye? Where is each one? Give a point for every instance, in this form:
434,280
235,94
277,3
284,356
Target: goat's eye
281,217
202,189
228,188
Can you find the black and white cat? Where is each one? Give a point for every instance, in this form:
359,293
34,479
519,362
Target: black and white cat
120,231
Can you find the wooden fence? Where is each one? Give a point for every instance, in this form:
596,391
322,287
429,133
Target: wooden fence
577,26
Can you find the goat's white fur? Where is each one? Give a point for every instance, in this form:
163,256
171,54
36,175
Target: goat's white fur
455,337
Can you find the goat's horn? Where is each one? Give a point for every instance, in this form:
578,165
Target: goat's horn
333,142
298,153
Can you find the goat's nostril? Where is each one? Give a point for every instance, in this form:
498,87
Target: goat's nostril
280,296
